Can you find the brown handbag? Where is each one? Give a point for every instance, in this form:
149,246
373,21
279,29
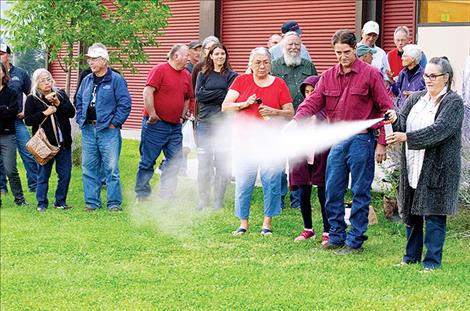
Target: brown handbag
39,146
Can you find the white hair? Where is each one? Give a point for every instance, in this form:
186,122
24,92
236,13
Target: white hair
288,34
258,51
35,81
403,29
413,51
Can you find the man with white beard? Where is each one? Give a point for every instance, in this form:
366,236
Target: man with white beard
293,69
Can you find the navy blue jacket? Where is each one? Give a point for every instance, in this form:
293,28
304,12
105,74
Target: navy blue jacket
113,101
20,83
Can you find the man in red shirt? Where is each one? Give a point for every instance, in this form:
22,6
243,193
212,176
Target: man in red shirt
401,37
167,97
351,90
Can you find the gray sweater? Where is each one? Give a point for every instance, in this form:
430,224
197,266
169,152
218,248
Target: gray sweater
438,185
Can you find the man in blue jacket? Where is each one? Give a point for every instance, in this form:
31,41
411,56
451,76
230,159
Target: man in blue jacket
21,84
103,104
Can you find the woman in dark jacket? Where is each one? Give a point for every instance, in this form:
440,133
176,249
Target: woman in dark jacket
212,85
8,112
410,78
310,171
430,124
44,103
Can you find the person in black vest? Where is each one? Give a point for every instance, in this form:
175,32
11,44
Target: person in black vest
50,108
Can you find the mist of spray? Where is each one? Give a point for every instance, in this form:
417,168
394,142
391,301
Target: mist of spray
248,141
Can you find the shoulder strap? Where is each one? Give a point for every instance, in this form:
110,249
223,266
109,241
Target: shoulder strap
54,127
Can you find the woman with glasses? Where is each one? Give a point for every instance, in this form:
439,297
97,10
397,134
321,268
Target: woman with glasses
50,108
429,126
257,96
410,78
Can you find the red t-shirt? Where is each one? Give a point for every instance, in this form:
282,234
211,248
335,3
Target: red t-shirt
172,88
275,95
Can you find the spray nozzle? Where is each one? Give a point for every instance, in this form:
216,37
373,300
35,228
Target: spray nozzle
386,117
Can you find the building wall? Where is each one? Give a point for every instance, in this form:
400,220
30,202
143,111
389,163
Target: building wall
248,24
450,41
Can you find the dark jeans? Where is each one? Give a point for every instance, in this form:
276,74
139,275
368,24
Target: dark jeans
8,165
306,206
155,138
294,194
63,168
434,237
213,168
31,166
354,155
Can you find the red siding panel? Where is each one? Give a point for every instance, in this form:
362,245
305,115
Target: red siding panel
183,26
248,24
397,13
60,76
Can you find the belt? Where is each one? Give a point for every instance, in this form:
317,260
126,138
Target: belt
93,122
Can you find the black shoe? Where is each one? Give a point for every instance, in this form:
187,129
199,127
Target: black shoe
329,246
65,206
347,250
21,202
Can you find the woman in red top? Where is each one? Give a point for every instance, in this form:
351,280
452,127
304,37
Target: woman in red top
258,96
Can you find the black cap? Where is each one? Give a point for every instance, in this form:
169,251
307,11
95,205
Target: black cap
291,26
194,44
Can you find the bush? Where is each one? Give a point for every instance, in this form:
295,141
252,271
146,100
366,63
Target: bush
77,150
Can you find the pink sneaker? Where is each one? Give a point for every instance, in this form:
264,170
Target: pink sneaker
324,238
305,235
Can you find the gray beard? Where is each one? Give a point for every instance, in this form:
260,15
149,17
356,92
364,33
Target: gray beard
292,61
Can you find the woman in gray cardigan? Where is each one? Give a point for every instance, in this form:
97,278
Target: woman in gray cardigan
430,126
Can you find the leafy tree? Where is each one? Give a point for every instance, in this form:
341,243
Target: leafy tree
57,26
30,60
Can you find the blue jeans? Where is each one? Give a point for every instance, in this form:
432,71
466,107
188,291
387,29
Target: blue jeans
245,179
31,166
213,169
356,156
434,237
294,194
63,168
100,153
155,138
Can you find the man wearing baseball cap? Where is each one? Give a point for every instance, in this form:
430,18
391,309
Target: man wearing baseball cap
277,51
103,104
370,33
21,84
365,53
194,54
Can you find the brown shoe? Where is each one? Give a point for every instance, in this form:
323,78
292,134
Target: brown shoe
89,209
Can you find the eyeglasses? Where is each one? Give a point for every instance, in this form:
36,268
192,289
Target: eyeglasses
432,77
45,80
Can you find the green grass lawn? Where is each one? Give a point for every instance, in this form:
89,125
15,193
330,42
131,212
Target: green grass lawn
167,256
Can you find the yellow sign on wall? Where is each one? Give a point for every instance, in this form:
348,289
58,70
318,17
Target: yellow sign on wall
444,11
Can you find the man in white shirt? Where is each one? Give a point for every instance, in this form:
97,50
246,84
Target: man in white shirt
370,33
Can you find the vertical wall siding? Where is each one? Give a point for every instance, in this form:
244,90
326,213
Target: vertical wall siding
248,24
397,13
